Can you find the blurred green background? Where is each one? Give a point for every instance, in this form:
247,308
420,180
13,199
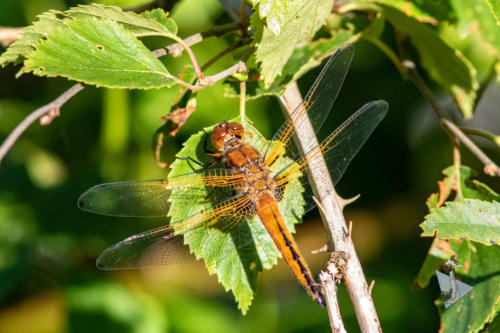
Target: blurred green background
48,247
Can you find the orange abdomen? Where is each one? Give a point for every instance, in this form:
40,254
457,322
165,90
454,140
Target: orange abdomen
269,213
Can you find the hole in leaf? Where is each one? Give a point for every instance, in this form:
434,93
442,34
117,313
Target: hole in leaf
41,69
100,47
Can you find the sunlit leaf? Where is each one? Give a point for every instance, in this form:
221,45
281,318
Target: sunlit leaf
445,64
151,23
302,20
236,268
480,269
480,18
274,11
98,52
144,25
31,36
472,220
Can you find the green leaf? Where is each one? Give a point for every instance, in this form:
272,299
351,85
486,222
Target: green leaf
494,327
135,23
98,52
495,9
236,268
480,18
303,59
472,220
425,11
446,65
31,36
161,17
153,22
481,267
274,11
303,19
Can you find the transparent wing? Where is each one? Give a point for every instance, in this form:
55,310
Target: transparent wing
338,149
164,245
317,103
148,198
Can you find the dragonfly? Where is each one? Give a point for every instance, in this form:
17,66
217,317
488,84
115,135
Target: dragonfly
248,177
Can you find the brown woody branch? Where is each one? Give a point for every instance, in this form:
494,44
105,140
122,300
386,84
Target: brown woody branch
338,236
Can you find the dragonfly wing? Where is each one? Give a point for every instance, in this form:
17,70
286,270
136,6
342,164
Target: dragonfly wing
148,198
164,245
158,246
338,149
318,101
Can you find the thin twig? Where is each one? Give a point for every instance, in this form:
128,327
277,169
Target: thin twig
408,70
236,68
329,279
482,133
176,49
490,168
329,286
9,35
334,221
37,114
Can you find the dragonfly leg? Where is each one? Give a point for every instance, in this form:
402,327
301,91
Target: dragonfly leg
189,158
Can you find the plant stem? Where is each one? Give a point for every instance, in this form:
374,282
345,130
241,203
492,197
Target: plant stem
482,133
36,114
407,69
333,220
176,48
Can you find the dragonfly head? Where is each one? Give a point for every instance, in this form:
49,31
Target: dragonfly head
226,131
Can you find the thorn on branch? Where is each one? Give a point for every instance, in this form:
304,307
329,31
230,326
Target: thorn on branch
344,202
370,287
322,249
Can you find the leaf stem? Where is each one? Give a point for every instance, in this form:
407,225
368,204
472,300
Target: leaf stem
338,237
186,47
482,133
37,114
